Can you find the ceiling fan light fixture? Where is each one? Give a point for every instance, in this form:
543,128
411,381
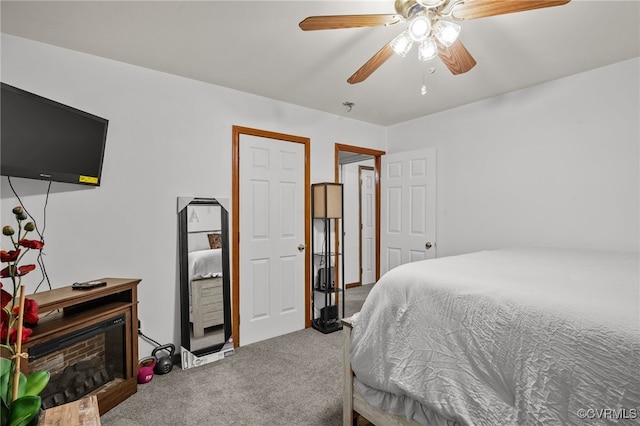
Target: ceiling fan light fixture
402,44
427,49
447,32
419,28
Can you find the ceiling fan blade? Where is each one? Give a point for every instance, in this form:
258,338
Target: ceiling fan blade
473,9
313,23
456,57
372,64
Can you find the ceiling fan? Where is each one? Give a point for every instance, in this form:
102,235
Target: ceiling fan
435,35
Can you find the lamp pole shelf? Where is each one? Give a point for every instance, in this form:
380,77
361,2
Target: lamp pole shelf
328,273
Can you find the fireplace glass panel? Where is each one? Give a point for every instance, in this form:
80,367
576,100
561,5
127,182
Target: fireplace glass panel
81,362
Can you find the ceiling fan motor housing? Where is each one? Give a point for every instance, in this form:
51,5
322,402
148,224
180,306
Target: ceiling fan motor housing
410,8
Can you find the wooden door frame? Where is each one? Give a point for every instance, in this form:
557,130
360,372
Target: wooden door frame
235,226
377,164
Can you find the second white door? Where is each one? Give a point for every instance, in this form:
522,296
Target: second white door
408,208
367,225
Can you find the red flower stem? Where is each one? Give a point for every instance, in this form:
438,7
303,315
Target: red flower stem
15,244
13,271
18,353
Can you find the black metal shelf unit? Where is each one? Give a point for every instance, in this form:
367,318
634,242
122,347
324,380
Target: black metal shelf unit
328,274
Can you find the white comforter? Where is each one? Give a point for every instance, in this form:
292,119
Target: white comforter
504,337
205,264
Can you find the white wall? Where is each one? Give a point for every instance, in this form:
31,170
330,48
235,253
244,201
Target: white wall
553,165
168,137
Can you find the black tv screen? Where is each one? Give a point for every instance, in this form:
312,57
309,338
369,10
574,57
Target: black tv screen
44,139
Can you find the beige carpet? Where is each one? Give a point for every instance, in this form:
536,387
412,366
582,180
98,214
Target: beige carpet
295,379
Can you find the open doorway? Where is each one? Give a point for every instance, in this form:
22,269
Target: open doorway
358,169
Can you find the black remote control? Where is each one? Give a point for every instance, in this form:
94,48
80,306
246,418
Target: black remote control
88,285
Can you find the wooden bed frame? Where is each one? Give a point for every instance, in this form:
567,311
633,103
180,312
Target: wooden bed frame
354,405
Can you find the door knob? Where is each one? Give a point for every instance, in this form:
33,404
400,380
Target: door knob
301,247
428,245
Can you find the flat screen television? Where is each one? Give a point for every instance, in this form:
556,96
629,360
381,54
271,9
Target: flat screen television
44,139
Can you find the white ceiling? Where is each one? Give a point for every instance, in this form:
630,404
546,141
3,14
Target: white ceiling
257,47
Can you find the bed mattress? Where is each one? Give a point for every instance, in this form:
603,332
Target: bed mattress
205,264
503,337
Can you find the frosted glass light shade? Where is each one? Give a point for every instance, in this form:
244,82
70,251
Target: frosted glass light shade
419,28
402,44
447,32
427,49
327,199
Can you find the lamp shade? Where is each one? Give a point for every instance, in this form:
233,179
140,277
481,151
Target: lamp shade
402,44
447,32
327,200
428,49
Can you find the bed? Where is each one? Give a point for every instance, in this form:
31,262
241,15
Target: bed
205,264
499,337
205,287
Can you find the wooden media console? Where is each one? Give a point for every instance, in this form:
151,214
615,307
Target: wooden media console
88,341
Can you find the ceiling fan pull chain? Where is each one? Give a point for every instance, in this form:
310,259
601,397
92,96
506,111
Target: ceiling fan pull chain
423,89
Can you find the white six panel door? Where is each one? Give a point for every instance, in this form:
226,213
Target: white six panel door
368,221
407,208
272,267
